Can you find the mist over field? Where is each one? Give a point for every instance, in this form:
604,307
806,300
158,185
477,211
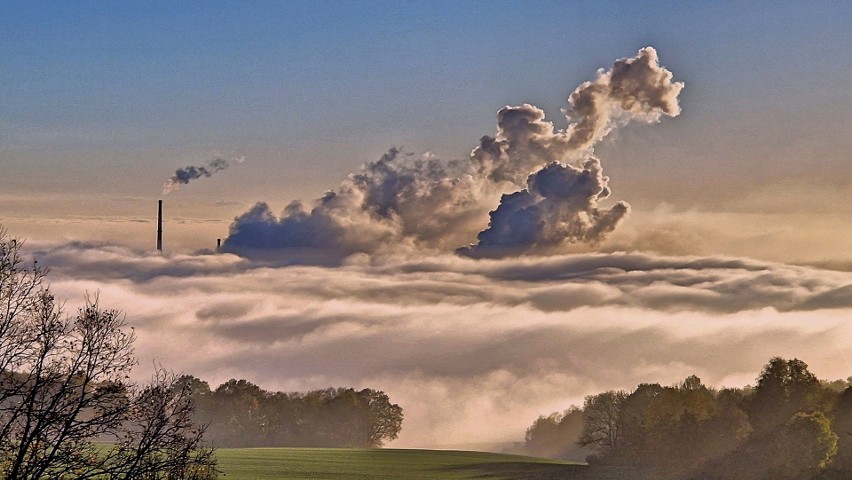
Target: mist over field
473,350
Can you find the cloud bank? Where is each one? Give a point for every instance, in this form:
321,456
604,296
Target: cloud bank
546,180
474,350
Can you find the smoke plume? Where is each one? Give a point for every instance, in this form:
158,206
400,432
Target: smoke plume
406,201
186,174
560,204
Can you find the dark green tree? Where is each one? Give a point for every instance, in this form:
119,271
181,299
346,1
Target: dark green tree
238,414
241,414
384,417
804,447
784,388
841,423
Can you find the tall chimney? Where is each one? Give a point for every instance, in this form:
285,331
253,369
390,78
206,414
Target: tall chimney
160,226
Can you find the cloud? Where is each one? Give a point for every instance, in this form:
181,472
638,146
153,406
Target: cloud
394,202
559,205
474,350
636,88
401,201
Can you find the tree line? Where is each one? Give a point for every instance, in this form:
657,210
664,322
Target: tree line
241,414
790,425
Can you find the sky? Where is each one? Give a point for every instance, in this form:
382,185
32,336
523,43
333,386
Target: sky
703,227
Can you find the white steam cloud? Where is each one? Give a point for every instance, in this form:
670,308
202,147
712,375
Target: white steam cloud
426,202
559,205
186,174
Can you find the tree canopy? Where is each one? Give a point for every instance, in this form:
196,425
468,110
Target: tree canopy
790,425
241,414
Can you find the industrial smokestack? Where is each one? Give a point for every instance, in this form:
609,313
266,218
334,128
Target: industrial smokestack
160,226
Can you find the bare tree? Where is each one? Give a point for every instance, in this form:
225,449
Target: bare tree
64,387
160,438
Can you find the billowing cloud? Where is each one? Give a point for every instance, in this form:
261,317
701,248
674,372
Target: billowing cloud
559,205
395,201
473,350
636,88
186,174
401,201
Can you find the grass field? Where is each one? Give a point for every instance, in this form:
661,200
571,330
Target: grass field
385,464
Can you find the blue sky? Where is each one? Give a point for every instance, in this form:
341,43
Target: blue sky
111,97
202,72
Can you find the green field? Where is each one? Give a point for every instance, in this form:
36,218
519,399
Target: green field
385,464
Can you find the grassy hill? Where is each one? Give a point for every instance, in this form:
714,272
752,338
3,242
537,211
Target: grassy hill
385,464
